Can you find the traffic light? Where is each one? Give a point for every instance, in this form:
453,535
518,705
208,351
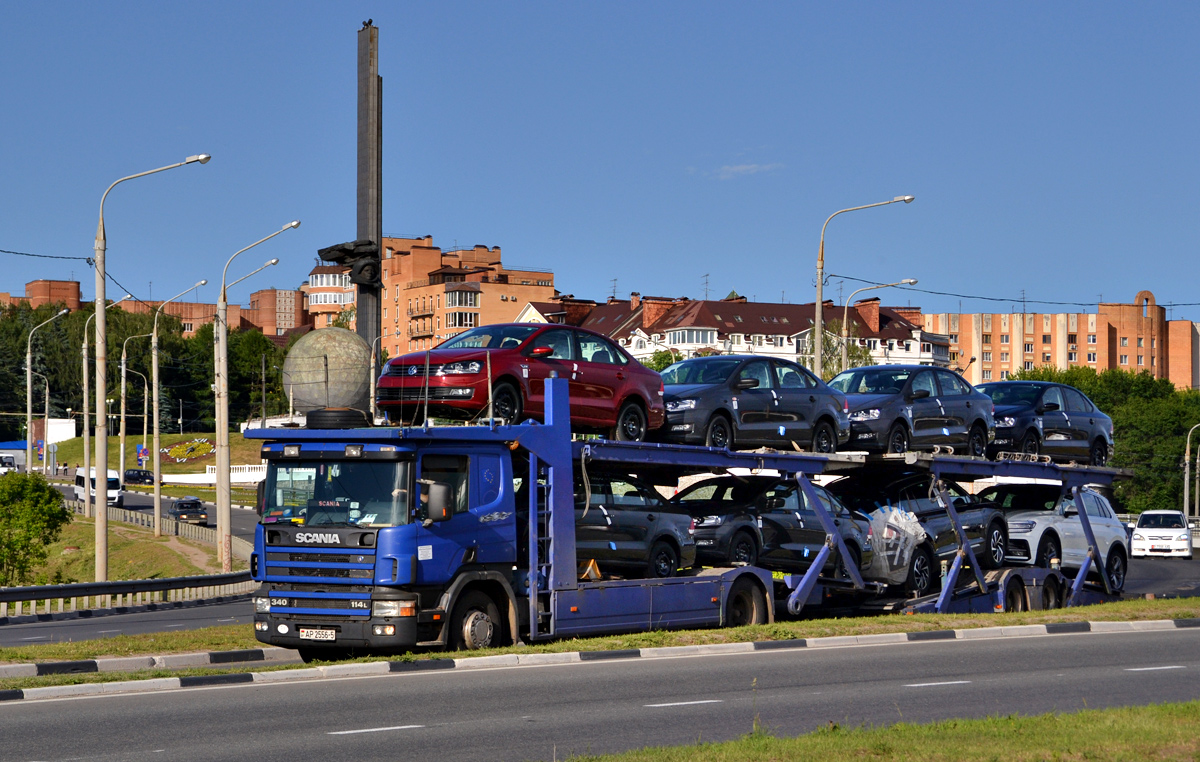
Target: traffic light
362,257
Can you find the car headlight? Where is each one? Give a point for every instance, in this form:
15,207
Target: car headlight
711,521
1183,536
459,368
1020,527
674,406
262,605
1138,536
1007,422
865,415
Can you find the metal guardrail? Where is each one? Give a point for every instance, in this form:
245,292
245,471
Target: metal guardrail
82,596
241,548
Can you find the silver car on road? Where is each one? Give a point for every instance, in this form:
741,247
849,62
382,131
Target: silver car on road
1044,524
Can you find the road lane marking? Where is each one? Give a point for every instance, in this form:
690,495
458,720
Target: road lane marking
929,685
686,703
372,730
103,632
1152,669
39,637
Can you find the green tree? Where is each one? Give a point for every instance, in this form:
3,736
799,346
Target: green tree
660,360
831,351
32,515
344,318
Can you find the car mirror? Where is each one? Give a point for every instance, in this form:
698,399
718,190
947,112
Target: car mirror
1070,510
541,352
918,394
1131,524
1191,525
746,383
774,503
1048,407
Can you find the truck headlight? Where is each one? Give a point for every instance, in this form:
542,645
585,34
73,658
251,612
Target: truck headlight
262,605
674,406
865,415
388,609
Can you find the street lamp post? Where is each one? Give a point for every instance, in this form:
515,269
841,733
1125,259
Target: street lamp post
818,330
1187,470
154,456
145,404
102,358
45,422
29,391
124,363
371,380
87,446
846,316
221,370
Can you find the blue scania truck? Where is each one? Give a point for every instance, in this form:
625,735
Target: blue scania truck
387,539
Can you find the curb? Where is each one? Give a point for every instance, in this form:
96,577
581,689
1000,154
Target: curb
484,662
59,616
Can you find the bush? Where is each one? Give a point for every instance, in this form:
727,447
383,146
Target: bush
32,515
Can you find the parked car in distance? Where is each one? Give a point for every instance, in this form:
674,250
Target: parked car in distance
627,527
985,526
748,401
767,521
1045,418
190,510
139,476
610,391
1044,524
1161,533
896,408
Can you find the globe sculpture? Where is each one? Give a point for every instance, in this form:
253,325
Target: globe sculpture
329,367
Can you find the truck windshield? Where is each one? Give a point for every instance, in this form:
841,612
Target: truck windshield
338,493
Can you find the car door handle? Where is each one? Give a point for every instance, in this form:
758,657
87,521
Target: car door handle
812,398
649,517
968,403
620,376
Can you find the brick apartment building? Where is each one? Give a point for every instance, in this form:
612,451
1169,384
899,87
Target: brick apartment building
327,294
1134,337
42,292
648,324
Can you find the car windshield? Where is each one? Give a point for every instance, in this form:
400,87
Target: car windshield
189,506
1160,521
490,337
871,380
1022,498
706,371
729,491
1011,394
338,493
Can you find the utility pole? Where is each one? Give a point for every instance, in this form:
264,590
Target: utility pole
264,391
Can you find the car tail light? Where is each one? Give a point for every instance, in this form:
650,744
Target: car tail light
692,527
846,405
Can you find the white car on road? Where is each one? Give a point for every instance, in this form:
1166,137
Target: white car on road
1162,533
1042,524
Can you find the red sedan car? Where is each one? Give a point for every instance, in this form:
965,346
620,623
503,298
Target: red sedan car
610,390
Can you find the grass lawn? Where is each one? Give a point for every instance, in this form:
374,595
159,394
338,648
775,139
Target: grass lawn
241,452
1159,732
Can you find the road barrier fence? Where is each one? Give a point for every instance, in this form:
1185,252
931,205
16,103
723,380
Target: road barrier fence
86,596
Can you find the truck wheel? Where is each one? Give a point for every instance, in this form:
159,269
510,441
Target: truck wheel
1014,595
506,402
997,542
631,423
745,604
664,561
824,438
475,623
743,549
1051,595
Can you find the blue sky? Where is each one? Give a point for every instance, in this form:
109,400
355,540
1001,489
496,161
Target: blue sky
1051,146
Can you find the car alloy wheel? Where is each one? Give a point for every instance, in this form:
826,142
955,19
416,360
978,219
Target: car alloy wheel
920,573
995,548
1047,550
1115,568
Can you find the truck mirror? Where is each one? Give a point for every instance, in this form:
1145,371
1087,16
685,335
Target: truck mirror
438,507
260,500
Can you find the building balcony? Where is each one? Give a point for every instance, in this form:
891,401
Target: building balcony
418,333
415,312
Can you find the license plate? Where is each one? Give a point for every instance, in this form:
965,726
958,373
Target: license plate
307,633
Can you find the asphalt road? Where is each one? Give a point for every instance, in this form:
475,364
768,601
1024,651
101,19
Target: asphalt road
242,521
106,626
543,713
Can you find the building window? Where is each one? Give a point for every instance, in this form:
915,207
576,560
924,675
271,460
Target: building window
1003,375
1124,359
954,338
1045,338
1029,348
1004,357
987,338
1153,342
1140,340
188,327
1029,365
953,356
1004,338
1091,357
735,338
462,299
1151,361
1072,357
694,336
462,319
1141,360
1045,357
1071,338
925,347
1091,338
987,375
1124,341
987,356
385,313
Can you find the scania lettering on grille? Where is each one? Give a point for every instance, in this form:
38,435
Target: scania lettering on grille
319,537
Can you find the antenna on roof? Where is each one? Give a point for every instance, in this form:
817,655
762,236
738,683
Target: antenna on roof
705,276
614,293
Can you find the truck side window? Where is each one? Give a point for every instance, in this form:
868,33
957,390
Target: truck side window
453,471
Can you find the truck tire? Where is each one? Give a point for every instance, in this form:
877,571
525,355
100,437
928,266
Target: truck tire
746,604
475,623
1014,595
336,418
663,562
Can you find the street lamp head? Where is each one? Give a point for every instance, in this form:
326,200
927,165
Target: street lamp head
200,157
905,199
909,281
292,224
63,311
273,262
203,282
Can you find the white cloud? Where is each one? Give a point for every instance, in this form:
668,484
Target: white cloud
730,171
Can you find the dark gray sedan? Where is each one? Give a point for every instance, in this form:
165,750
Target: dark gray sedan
750,401
626,526
1043,418
896,408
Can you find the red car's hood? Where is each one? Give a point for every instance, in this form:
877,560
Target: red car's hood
443,356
